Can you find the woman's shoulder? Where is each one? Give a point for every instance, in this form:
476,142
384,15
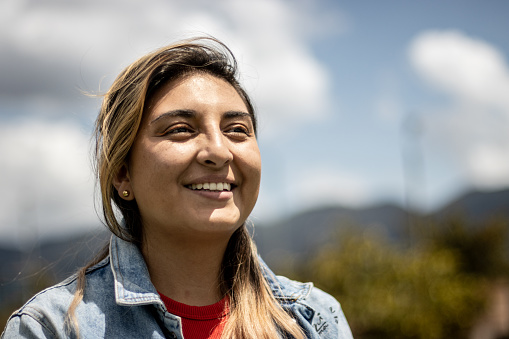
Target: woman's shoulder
45,312
303,292
288,290
61,294
321,312
39,316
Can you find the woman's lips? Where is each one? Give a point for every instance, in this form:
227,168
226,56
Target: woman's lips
213,194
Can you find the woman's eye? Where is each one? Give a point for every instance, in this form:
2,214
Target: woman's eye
238,130
178,131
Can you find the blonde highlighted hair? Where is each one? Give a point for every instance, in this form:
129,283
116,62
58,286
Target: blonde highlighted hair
254,312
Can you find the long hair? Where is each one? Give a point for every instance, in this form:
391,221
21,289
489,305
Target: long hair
254,312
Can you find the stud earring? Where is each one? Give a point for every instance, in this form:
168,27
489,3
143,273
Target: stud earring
125,193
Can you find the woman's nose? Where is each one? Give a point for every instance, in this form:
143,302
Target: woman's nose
214,151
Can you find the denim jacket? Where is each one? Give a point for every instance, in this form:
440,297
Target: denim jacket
121,302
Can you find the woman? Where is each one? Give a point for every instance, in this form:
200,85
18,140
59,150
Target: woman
177,154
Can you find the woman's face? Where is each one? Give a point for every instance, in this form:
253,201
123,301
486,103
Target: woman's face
195,164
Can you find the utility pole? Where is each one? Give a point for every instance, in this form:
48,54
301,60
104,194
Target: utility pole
413,172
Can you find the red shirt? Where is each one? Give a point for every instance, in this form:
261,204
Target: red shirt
199,322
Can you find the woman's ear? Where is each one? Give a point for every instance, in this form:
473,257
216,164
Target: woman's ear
122,183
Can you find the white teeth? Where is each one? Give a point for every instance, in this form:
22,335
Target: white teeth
212,186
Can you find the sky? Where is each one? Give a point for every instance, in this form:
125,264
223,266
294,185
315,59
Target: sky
359,102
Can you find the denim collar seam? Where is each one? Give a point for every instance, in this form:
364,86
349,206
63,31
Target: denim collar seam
137,298
301,292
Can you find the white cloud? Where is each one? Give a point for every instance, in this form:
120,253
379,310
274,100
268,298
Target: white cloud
60,45
487,166
46,180
469,68
325,186
474,128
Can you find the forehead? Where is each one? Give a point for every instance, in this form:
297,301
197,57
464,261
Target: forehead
198,91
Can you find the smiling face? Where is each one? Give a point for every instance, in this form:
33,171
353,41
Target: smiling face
195,166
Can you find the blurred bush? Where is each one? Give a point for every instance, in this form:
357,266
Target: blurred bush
435,288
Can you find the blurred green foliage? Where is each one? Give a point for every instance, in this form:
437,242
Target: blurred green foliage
482,250
435,288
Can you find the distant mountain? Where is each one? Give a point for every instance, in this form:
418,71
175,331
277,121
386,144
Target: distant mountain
68,255
301,235
47,263
477,207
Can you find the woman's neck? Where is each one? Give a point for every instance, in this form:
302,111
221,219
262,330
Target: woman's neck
186,271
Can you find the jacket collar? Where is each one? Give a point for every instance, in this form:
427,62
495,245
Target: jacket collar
134,287
284,289
132,280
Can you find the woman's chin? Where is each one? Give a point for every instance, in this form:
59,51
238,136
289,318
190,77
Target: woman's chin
223,218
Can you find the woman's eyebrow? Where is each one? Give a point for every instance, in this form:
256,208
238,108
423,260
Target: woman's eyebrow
236,114
183,113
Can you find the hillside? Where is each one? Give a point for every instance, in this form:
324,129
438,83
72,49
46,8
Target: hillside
302,234
478,206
